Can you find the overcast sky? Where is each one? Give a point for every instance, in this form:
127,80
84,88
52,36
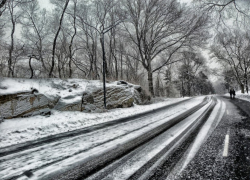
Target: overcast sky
46,3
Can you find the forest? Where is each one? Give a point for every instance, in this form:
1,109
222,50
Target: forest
158,44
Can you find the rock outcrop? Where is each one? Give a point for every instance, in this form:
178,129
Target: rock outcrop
24,104
141,97
116,97
29,103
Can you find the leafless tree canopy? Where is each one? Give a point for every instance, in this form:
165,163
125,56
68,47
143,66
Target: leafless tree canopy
232,51
133,40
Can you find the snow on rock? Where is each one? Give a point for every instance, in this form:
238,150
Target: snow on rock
22,104
117,97
23,97
69,94
141,96
19,130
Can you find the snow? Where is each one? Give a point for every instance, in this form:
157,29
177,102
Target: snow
79,149
206,130
155,147
21,130
48,87
76,149
240,95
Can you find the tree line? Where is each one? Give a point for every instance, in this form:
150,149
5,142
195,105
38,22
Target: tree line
231,43
152,42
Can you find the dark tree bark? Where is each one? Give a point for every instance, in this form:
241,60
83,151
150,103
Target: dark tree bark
71,42
13,21
3,3
154,24
31,69
55,39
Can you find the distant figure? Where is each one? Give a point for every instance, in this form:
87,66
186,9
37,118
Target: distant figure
233,92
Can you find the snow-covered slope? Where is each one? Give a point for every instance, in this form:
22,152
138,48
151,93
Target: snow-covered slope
240,95
20,130
24,97
49,87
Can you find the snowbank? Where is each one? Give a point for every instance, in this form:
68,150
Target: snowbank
239,95
20,130
24,97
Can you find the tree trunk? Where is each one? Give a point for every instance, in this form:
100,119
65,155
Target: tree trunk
31,70
55,39
247,85
58,65
157,87
182,86
11,71
114,55
104,69
150,81
121,67
71,44
246,80
95,62
242,88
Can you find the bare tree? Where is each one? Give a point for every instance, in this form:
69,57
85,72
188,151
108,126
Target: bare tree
222,5
14,17
192,63
223,10
88,38
232,51
104,25
55,38
73,15
2,6
35,31
158,27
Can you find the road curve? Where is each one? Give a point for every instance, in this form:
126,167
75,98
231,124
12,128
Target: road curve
126,138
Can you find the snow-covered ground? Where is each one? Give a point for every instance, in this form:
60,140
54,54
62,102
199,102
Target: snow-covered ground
62,154
20,130
49,87
74,149
240,95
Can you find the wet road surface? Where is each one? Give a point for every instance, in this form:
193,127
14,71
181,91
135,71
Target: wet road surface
215,147
225,154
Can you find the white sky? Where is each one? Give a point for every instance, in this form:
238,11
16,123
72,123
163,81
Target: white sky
45,4
186,1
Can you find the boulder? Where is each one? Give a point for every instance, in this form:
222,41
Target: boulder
141,96
30,103
116,97
23,104
69,103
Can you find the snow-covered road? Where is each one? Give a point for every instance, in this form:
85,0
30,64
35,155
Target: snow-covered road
167,140
49,158
21,130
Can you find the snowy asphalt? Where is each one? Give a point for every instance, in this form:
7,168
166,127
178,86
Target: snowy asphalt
60,136
215,159
212,142
56,156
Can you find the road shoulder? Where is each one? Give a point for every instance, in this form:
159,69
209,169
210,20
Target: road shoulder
209,163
